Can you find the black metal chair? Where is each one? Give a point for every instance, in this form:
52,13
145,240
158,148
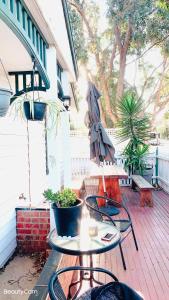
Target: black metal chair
55,290
124,225
112,290
91,186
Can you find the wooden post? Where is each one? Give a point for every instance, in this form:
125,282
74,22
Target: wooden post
112,190
146,198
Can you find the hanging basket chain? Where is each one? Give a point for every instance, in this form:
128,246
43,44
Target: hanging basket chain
6,74
35,81
29,165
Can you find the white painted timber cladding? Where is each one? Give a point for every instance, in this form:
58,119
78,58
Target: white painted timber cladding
14,175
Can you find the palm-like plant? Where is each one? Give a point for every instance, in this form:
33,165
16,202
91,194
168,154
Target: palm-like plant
133,125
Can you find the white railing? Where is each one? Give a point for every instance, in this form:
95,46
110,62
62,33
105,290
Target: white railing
163,172
81,164
81,167
84,133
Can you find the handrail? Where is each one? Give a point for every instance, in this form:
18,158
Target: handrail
16,15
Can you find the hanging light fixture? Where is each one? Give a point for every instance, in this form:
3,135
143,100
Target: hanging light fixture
66,101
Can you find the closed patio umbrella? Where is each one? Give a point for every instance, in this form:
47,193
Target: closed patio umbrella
101,148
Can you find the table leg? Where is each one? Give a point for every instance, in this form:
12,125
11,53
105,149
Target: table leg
83,277
92,279
115,189
112,190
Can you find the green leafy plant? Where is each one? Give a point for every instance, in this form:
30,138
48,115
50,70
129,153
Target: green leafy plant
135,157
54,107
133,127
65,198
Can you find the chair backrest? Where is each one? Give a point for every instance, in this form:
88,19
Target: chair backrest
93,208
55,289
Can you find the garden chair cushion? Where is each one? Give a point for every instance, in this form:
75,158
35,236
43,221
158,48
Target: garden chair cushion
113,291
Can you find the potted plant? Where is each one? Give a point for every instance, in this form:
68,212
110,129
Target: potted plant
5,96
67,210
133,126
35,109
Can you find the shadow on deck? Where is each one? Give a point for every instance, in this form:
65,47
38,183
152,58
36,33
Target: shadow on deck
148,269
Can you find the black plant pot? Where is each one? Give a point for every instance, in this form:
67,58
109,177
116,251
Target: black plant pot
148,173
5,96
39,111
68,219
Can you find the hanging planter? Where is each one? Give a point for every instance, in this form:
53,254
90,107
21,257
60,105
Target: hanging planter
5,96
34,111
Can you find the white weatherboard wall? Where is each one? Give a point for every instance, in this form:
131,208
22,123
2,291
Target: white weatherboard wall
14,175
12,178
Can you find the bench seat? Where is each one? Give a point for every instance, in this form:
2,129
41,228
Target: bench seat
145,190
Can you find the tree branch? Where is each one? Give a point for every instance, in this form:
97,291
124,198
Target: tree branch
147,79
118,38
155,44
113,55
128,36
82,13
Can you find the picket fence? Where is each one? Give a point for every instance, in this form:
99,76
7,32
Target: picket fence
81,165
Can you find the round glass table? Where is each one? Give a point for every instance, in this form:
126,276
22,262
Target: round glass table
85,244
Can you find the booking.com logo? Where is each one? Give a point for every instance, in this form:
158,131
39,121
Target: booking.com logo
20,292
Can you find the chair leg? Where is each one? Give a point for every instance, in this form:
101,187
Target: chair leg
134,237
122,257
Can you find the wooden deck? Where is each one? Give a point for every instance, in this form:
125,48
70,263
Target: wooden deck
148,269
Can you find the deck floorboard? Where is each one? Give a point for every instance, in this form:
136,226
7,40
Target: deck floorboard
148,269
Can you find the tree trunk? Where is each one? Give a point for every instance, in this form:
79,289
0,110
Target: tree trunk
122,68
105,90
106,95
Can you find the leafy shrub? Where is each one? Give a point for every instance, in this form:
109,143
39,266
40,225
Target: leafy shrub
65,198
133,126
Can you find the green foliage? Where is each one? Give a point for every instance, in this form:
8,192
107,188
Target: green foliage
78,36
54,108
133,122
133,125
135,27
166,115
121,12
157,30
65,198
164,4
134,154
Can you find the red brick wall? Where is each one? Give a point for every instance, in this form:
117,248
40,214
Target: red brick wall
32,229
